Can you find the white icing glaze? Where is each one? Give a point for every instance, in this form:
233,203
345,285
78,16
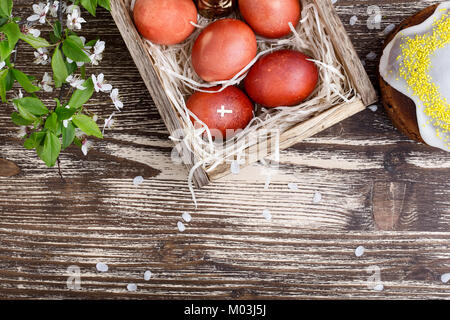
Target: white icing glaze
440,73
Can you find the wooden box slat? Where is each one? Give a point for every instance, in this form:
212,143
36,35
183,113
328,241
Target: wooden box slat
344,49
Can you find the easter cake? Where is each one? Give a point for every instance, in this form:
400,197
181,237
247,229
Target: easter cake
415,77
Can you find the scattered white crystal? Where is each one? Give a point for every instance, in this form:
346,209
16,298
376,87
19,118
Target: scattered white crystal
445,277
147,275
138,180
102,267
132,287
235,169
371,55
317,197
373,108
389,29
353,20
379,287
293,186
266,214
181,226
186,217
359,251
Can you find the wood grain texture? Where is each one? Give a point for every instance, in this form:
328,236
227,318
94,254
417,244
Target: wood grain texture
378,188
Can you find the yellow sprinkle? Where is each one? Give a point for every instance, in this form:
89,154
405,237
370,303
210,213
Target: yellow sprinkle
415,66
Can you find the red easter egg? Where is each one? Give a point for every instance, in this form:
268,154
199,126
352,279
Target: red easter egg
229,109
281,78
223,49
270,18
165,22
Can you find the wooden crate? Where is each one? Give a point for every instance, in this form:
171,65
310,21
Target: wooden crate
344,49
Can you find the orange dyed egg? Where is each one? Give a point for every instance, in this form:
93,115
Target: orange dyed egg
270,18
229,110
281,78
165,22
223,49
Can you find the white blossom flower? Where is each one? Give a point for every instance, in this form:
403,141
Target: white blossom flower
66,122
97,56
79,134
40,12
34,32
46,83
108,122
79,63
17,96
54,9
41,56
116,99
74,20
86,145
83,40
100,85
22,132
75,81
2,64
71,8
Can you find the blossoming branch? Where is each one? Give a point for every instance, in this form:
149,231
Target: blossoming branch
50,129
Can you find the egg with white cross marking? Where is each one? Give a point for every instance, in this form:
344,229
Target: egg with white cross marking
222,112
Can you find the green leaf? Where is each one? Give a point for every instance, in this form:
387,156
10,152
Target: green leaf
80,97
10,80
50,150
32,105
57,30
65,113
18,120
34,140
24,113
6,8
3,21
71,67
87,125
33,41
90,5
5,51
3,84
24,81
74,49
105,4
12,30
60,72
52,123
92,42
68,134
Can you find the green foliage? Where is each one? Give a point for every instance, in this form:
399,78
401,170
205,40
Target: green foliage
6,8
73,48
59,68
3,75
24,81
105,4
68,135
90,5
12,31
49,130
34,42
49,150
80,97
87,125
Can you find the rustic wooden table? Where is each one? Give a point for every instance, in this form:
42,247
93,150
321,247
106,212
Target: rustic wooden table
379,190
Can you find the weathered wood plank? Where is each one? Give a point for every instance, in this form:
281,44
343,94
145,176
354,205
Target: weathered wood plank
371,179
